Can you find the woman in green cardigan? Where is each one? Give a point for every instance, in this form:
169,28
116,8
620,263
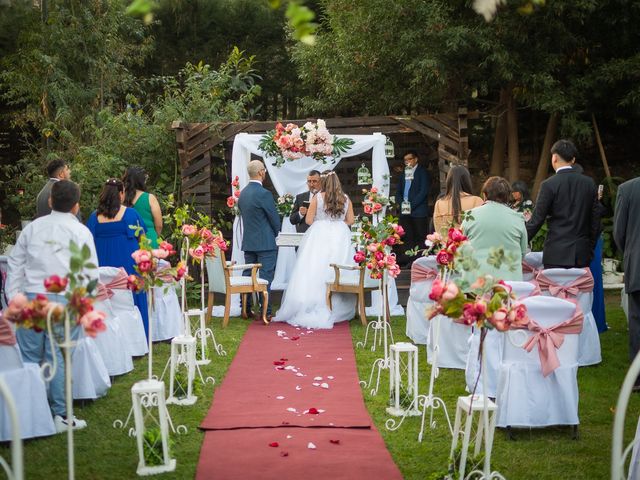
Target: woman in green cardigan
146,204
495,225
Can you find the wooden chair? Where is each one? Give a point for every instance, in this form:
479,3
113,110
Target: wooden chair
350,284
222,280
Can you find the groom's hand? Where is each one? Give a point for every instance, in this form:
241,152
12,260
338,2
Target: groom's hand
303,211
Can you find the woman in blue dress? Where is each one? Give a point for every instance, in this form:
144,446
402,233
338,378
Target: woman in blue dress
115,240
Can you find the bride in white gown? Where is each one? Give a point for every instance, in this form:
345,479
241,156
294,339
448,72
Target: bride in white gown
327,241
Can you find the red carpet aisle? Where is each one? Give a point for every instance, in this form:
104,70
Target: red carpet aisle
290,407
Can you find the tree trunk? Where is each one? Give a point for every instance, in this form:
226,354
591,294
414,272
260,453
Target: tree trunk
512,138
500,138
545,153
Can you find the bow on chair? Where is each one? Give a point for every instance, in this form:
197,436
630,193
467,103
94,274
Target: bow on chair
119,282
550,339
527,268
7,337
584,283
420,273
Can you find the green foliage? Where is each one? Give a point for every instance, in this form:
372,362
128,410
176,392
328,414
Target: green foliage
537,243
182,382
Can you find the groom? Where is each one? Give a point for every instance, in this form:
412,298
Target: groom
299,212
261,224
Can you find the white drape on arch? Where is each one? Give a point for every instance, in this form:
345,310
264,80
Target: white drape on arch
291,178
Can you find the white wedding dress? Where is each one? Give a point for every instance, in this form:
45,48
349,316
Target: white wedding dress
304,303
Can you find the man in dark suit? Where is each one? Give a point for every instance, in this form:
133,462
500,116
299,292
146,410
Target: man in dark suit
411,196
261,225
56,170
568,202
299,212
626,233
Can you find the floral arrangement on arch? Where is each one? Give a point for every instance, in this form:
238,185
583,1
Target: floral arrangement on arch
487,302
80,297
291,142
232,200
284,204
375,245
147,264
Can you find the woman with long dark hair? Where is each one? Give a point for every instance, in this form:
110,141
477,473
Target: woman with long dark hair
327,241
447,211
146,204
115,240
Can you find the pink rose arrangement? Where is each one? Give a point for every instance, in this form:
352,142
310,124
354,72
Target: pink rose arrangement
375,246
445,249
486,303
33,313
290,142
374,201
147,261
232,200
203,242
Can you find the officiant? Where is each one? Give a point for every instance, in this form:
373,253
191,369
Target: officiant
301,204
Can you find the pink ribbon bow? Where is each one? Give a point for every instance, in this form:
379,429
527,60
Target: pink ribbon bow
584,283
119,282
527,268
7,337
549,339
420,273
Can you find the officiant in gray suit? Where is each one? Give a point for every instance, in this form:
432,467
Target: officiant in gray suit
301,204
261,225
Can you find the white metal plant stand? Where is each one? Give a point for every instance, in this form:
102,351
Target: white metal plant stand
619,454
15,471
382,335
183,353
401,393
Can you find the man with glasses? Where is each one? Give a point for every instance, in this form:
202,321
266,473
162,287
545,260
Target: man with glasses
301,204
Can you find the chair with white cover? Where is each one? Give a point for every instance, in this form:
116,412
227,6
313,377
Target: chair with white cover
423,271
122,303
453,341
493,343
575,284
167,315
89,373
539,387
112,343
29,393
221,280
531,265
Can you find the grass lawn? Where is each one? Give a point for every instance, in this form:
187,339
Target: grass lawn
103,452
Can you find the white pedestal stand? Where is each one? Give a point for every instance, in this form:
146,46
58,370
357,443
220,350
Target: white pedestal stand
15,471
183,352
399,390
486,425
382,334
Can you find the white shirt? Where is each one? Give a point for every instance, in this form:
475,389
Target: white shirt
42,250
567,167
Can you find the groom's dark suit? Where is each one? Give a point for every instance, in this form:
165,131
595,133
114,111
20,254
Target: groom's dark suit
261,224
568,202
295,218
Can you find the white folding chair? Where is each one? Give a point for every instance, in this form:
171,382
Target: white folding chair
113,343
167,316
29,391
422,276
525,397
90,375
125,309
492,347
590,353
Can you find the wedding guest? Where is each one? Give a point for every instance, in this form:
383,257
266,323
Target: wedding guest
521,200
626,233
56,170
301,204
568,202
261,224
111,226
412,195
146,204
495,224
42,250
457,199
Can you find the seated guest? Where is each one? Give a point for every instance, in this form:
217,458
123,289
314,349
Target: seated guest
146,204
457,199
494,224
42,250
115,240
56,170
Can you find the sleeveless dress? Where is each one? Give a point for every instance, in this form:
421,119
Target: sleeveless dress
143,207
115,242
328,240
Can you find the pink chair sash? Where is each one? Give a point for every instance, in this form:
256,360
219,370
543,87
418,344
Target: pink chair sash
584,283
551,338
420,273
526,268
105,291
7,337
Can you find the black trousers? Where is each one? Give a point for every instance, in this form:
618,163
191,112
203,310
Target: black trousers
634,326
415,233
